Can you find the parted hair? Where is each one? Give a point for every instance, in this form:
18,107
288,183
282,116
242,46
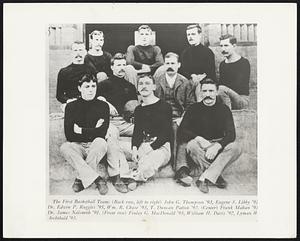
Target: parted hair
208,81
96,32
231,38
117,56
196,25
88,77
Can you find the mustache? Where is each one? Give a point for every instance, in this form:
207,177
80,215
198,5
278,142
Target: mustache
224,52
121,71
207,98
170,69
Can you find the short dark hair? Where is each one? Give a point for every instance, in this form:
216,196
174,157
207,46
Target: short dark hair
117,56
146,75
197,26
208,81
87,78
171,54
144,27
231,38
96,32
76,42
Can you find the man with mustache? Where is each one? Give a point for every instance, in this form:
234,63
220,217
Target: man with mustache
85,125
68,77
152,132
99,60
145,58
197,61
118,92
206,135
176,90
234,75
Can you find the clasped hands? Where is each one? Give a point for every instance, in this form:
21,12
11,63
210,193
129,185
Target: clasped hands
212,149
143,150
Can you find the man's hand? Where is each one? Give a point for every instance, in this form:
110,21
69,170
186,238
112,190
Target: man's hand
101,76
112,110
212,151
146,68
99,123
70,100
77,129
101,98
203,142
198,77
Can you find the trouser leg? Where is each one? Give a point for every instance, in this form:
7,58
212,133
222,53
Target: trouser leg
230,154
96,152
181,157
131,75
151,162
74,154
125,128
232,99
117,163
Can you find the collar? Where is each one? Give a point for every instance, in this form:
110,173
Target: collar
171,80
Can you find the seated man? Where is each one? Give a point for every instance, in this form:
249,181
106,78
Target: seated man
176,90
85,124
117,91
68,77
99,60
206,134
234,75
152,132
145,58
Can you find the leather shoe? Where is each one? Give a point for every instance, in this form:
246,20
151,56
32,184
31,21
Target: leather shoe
101,185
202,185
77,185
131,184
185,181
221,183
119,185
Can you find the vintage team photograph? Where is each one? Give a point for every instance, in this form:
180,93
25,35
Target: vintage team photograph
152,109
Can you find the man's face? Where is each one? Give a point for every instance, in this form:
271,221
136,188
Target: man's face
78,53
209,94
193,36
227,49
172,65
145,37
146,86
88,90
97,41
118,67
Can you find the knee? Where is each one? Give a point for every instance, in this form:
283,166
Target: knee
100,144
65,148
235,147
192,145
112,132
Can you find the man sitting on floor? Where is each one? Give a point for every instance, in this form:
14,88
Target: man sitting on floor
206,135
86,122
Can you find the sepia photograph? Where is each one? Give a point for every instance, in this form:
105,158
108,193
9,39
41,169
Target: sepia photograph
152,109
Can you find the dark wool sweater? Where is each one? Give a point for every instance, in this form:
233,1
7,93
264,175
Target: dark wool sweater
117,91
154,120
236,75
198,60
67,81
99,63
209,122
139,55
86,115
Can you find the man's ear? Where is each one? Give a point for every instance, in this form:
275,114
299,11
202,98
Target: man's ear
179,65
79,88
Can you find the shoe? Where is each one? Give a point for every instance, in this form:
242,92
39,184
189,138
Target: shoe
77,185
183,177
185,181
119,185
131,184
221,183
101,185
202,185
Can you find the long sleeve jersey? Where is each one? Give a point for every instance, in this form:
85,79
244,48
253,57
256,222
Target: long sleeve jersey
236,75
99,63
209,122
139,55
67,81
117,91
154,120
86,114
198,60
